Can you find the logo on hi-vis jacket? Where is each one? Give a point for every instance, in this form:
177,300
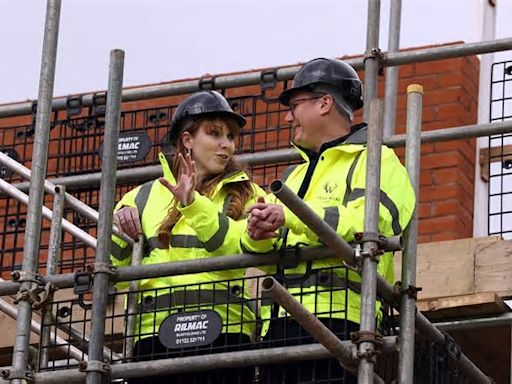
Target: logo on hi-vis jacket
329,187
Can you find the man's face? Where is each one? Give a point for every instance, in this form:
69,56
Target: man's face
303,117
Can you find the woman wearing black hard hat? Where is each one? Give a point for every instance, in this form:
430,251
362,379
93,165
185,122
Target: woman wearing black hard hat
195,211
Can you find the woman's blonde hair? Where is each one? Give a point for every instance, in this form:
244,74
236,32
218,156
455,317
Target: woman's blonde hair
239,192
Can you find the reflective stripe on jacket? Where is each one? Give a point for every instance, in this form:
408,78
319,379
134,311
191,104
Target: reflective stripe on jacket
202,231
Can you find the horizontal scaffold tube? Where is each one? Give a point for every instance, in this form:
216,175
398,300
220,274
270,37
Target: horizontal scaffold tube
326,234
284,155
227,360
219,263
286,73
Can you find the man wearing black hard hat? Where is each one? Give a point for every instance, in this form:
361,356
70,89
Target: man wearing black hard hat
322,100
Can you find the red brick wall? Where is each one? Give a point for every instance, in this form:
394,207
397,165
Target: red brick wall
447,169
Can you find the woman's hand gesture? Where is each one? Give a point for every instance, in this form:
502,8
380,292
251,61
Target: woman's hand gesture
184,190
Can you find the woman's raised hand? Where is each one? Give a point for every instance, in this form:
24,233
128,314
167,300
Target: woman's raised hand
184,190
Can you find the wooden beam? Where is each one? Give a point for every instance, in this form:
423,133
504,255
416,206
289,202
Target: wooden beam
493,267
478,304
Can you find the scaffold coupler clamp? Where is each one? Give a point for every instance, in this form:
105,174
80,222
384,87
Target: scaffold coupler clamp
206,83
31,295
385,244
376,53
22,277
11,374
95,366
268,80
99,267
45,293
374,253
84,279
290,256
359,337
411,291
452,350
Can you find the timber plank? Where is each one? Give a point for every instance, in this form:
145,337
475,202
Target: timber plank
493,267
479,304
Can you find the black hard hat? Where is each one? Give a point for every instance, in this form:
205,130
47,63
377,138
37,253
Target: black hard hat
201,104
331,72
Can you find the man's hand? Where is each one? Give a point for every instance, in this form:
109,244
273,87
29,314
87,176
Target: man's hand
264,220
128,221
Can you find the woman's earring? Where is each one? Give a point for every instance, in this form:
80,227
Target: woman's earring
189,151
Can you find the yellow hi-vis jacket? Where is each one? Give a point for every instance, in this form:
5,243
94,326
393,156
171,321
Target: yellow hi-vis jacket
202,231
333,185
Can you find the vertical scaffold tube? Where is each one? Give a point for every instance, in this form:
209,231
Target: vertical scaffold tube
371,225
371,60
131,306
392,72
408,301
95,369
59,203
36,191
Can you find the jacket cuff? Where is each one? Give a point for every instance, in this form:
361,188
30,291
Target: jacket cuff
199,206
248,245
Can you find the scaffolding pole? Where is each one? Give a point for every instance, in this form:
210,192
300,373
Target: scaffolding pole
32,236
282,74
371,56
54,244
96,369
370,247
283,155
219,263
132,301
391,79
408,278
455,325
329,237
59,203
227,360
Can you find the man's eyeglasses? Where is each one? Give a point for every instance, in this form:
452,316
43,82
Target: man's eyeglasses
293,104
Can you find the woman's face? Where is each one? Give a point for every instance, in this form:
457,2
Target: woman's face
212,146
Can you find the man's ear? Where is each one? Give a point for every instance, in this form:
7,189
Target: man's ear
187,139
326,104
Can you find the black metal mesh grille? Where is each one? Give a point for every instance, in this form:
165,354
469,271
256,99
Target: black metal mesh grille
500,154
432,364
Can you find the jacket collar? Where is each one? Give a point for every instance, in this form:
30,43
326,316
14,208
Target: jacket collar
355,141
166,168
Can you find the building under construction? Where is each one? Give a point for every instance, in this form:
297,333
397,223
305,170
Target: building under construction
447,318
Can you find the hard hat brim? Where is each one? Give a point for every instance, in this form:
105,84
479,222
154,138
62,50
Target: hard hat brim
286,95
